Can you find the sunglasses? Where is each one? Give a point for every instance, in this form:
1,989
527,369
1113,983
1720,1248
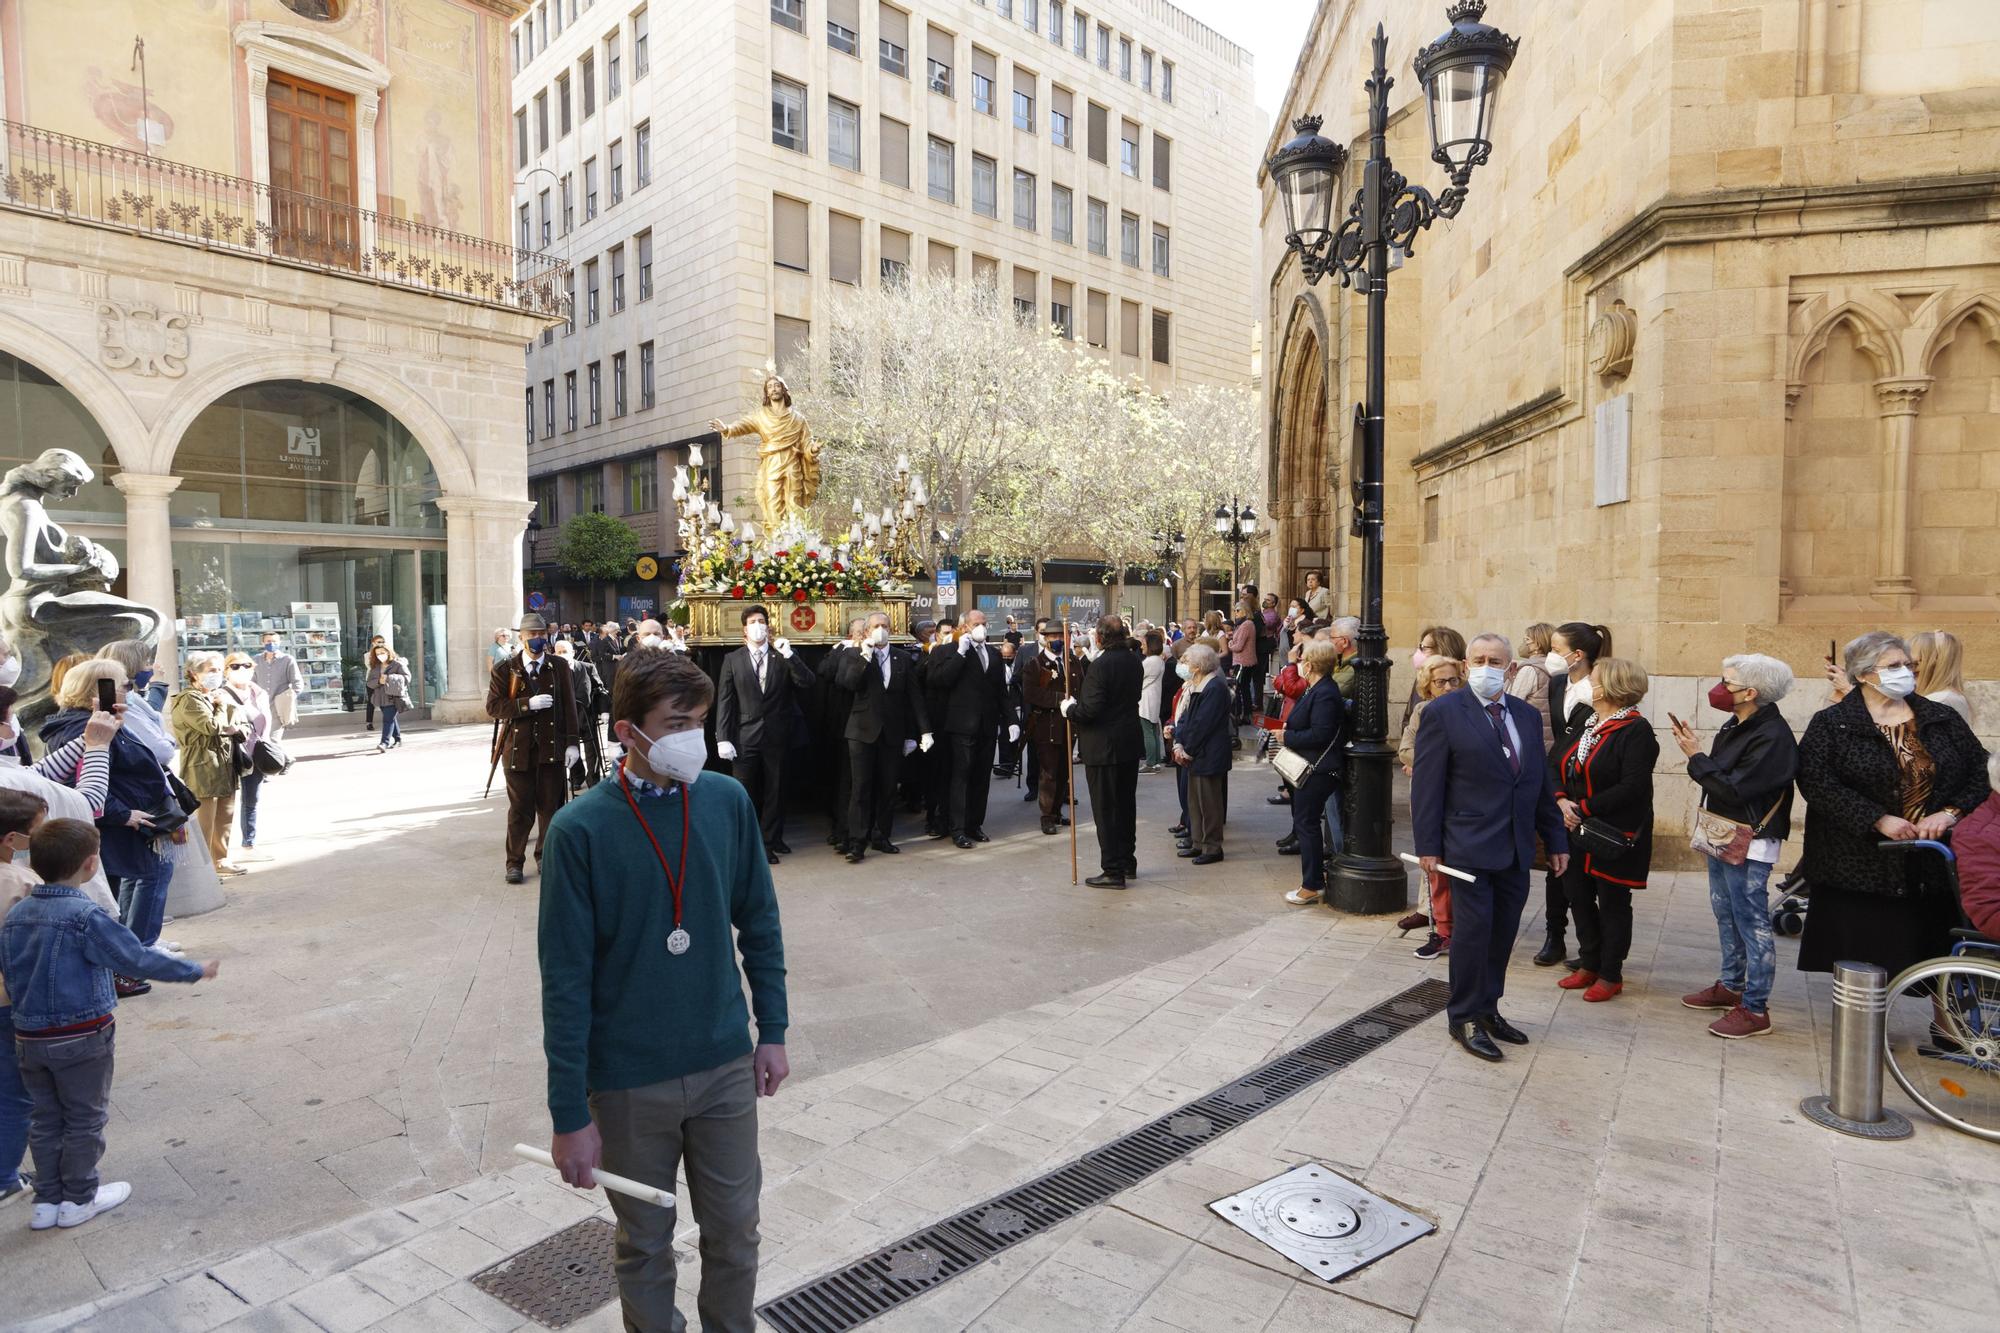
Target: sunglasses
240,666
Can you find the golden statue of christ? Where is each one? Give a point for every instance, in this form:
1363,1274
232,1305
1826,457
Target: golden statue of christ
787,455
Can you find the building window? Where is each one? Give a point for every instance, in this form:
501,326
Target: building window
531,388
788,340
569,400
542,121
1128,328
938,68
590,293
982,81
1128,238
589,189
618,384
1128,149
1099,131
548,224
1024,199
843,250
790,228
1061,316
1080,38
1059,130
1103,46
1031,12
895,41
642,155
789,14
895,257
617,170
568,203
645,375
590,481
586,68
843,23
545,496
788,112
527,229
1161,263
617,278
562,104
612,82
1062,214
1163,161
569,303
892,152
1024,102
521,138
596,396
1161,330
644,244
1166,80
1098,221
642,481
516,35
642,55
985,186
1146,70
548,410
1125,59
843,134
1004,8
941,158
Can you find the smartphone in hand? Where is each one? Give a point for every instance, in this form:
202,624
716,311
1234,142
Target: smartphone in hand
107,695
1676,721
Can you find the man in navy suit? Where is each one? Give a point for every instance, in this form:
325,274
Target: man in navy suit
1480,792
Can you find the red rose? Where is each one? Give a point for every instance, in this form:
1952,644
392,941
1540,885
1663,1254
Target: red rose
830,590
749,564
812,555
736,591
770,590
837,568
798,594
782,554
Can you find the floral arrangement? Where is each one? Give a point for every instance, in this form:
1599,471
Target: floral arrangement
734,569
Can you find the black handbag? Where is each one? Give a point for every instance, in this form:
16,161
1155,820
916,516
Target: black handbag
1595,835
271,759
165,822
183,794
241,760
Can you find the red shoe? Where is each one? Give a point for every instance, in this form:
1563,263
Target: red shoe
1603,990
1577,980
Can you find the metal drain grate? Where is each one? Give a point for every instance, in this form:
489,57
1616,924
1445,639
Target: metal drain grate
851,1296
557,1281
1322,1222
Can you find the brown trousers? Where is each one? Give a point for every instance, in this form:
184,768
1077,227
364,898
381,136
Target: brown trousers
534,795
216,815
1051,778
1208,811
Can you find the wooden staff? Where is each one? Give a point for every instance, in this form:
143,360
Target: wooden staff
1069,755
501,732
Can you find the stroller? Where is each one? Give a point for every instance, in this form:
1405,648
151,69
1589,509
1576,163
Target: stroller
1794,895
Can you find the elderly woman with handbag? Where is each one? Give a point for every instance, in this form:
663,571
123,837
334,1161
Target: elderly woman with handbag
1201,746
1312,763
1605,790
1744,818
208,724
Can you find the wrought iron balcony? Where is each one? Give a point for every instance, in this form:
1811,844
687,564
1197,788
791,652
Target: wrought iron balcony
78,180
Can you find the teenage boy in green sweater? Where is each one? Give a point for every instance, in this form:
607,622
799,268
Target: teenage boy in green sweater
643,1020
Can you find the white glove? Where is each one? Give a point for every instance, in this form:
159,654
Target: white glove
572,755
964,646
1013,732
784,647
928,742
725,749
537,703
1066,706
907,747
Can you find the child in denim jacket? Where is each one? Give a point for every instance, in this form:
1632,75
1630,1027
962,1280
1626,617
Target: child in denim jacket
58,952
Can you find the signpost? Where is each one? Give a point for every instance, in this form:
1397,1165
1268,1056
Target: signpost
947,587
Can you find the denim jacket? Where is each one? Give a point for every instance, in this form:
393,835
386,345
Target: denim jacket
59,951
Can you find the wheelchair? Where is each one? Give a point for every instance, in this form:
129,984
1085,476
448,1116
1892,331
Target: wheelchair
1941,1040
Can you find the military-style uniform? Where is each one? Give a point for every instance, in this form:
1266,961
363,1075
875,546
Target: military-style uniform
1042,692
533,743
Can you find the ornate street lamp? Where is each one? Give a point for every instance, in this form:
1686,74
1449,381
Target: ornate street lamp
1461,72
1169,544
1236,524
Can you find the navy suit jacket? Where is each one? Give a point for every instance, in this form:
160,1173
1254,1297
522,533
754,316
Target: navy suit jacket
1468,806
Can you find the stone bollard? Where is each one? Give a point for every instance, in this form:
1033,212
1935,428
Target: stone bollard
1860,1015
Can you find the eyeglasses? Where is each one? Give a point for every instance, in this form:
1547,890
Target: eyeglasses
1446,682
240,666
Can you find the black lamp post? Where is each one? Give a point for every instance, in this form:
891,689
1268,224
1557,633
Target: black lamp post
1170,544
1461,73
1236,524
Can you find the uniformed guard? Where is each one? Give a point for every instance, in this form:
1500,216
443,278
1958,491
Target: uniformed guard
531,696
1043,684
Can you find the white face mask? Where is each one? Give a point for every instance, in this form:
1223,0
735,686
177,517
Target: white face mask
1486,681
650,641
211,680
10,671
678,755
1557,664
756,631
878,637
1896,682
977,633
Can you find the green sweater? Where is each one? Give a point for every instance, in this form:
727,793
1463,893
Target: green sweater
618,1010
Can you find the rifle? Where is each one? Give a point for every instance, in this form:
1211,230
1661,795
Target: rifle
501,733
1069,757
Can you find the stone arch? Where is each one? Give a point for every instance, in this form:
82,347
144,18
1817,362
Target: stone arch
112,410
1300,440
1983,308
418,415
1869,331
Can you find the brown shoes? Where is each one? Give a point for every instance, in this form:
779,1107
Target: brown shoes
1740,1022
1717,996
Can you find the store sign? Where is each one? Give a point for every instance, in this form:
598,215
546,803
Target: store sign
1017,604
302,451
637,608
1079,610
947,587
647,569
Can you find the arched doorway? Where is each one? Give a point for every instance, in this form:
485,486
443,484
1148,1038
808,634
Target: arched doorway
308,510
1302,480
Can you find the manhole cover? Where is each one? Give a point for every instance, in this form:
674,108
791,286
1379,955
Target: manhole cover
1324,1223
558,1281
918,1265
1245,1094
1001,1220
1190,1125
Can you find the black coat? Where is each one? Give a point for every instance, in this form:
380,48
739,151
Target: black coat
1041,678
1317,727
974,700
894,711
1848,775
1615,784
839,699
758,720
1566,723
533,736
1750,769
1203,730
1107,710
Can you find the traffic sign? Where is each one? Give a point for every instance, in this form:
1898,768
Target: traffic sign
536,601
947,587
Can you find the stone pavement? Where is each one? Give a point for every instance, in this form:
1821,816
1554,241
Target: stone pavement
1625,1168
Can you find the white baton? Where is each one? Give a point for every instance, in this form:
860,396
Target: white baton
1442,868
617,1184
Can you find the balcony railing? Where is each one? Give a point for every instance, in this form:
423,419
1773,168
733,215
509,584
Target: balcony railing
81,181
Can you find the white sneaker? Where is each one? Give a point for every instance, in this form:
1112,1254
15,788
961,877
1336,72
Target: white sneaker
252,854
229,868
108,1197
44,1218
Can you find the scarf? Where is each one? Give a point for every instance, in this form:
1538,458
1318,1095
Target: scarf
1591,733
